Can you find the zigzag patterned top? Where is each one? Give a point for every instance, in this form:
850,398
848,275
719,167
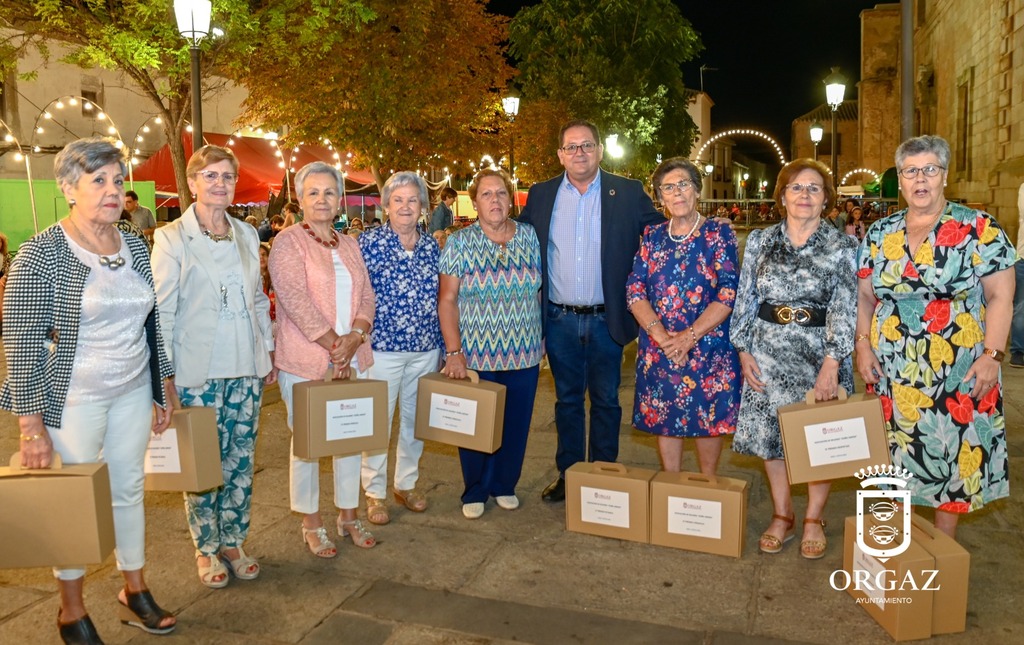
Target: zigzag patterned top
499,297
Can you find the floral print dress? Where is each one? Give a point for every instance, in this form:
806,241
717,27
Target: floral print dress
820,274
680,280
927,331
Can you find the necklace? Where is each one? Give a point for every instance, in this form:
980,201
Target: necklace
333,243
502,246
112,263
696,223
217,237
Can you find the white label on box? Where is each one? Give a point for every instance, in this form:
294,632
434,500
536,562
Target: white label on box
452,413
836,442
876,573
162,454
349,418
695,517
607,507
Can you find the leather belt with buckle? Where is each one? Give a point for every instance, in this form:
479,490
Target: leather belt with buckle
580,310
784,315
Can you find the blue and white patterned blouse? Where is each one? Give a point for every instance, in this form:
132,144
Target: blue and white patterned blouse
499,297
406,285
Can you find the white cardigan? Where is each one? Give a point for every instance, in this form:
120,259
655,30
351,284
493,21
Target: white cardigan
188,295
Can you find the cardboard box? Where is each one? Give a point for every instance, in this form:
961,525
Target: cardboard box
609,500
186,457
949,607
341,417
59,517
832,439
698,513
904,612
468,414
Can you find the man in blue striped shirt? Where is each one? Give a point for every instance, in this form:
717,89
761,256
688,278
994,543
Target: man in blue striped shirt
589,224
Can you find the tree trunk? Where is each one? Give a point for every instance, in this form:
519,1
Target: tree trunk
377,177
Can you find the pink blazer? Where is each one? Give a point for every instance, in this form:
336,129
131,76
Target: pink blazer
302,272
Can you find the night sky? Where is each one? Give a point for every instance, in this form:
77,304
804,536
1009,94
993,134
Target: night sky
770,57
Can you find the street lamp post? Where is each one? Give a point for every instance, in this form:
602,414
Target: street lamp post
817,132
835,88
511,106
193,18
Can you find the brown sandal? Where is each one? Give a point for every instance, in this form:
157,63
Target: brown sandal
377,511
412,499
814,549
771,544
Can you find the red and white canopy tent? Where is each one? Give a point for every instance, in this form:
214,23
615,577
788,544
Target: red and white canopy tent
259,171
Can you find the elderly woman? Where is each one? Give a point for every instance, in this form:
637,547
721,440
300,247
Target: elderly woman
681,292
325,308
402,262
805,266
490,318
934,307
218,335
85,291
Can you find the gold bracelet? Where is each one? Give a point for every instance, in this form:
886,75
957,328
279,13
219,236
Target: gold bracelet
860,337
28,438
693,335
648,326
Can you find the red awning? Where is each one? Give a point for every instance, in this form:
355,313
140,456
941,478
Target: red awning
259,174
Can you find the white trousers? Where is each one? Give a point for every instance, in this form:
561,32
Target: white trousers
402,371
304,474
115,432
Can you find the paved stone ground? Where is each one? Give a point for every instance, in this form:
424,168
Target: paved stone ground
516,576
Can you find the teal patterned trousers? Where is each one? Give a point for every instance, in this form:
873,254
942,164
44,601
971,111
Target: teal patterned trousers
219,518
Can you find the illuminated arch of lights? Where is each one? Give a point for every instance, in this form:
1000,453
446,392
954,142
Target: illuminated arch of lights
860,171
747,132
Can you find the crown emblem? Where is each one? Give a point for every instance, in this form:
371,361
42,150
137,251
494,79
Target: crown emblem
886,470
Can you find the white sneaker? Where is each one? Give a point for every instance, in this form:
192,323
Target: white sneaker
473,511
507,502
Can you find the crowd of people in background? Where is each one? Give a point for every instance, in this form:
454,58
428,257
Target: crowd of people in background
918,302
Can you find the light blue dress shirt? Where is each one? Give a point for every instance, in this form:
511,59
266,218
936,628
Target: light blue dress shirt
574,246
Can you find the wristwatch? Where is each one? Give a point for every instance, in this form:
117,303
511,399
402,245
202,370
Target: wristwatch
994,353
362,334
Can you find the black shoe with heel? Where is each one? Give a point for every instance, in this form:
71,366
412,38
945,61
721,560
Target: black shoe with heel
555,492
142,611
80,632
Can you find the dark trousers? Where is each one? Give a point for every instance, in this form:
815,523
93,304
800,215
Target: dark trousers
584,359
494,475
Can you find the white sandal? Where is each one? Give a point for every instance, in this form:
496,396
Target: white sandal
244,567
209,573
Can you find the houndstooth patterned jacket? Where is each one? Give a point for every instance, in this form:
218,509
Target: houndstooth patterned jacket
42,310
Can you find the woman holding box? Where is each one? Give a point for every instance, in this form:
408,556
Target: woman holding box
681,292
218,335
935,303
402,263
87,373
325,308
793,328
489,308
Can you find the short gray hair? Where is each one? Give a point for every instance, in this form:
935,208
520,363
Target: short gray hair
317,168
923,145
400,180
676,163
84,156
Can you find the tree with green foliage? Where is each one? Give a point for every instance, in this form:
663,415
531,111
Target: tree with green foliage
613,62
140,38
420,84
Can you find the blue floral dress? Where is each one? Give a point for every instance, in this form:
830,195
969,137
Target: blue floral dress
928,329
680,280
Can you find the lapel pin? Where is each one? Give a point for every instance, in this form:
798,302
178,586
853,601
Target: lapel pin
611,192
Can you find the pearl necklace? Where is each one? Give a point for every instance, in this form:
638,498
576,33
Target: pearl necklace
333,243
112,263
696,223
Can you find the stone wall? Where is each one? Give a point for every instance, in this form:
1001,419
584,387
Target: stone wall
879,87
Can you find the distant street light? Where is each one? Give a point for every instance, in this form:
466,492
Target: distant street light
817,132
511,106
709,168
612,147
193,18
835,88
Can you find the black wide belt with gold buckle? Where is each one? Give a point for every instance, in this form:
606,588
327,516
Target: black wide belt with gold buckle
580,310
784,315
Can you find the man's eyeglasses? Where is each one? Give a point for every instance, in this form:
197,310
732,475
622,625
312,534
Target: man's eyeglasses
931,170
211,176
587,147
796,189
676,188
